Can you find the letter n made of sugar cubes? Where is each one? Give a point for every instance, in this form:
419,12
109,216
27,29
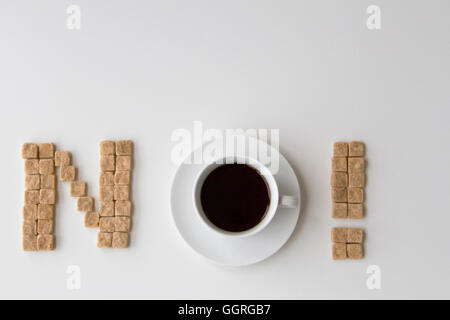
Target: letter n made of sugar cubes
113,217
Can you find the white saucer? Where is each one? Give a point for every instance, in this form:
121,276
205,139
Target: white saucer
233,251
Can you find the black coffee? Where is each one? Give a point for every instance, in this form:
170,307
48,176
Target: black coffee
235,197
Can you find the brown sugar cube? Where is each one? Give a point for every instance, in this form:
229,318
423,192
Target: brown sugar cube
339,235
357,180
354,251
339,194
29,212
63,158
31,197
354,235
356,149
107,163
47,196
122,177
124,148
46,166
106,179
45,242
340,149
104,240
356,165
106,208
355,195
32,182
120,240
121,192
46,150
123,163
29,242
339,164
107,148
48,181
29,227
45,211
107,224
78,188
91,219
30,151
45,226
339,210
355,211
85,204
67,173
122,208
106,193
122,224
339,179
31,166
339,251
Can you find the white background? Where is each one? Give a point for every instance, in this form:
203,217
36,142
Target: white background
141,69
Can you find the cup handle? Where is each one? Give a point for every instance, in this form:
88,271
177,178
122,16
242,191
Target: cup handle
287,202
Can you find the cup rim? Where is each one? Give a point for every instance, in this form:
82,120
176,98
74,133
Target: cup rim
262,170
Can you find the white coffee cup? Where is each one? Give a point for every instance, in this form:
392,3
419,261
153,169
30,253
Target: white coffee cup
276,200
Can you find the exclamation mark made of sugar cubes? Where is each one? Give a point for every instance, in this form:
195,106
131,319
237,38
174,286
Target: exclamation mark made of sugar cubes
115,204
40,197
347,183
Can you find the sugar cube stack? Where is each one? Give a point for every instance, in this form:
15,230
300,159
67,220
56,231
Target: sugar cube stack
115,205
38,211
347,243
348,180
